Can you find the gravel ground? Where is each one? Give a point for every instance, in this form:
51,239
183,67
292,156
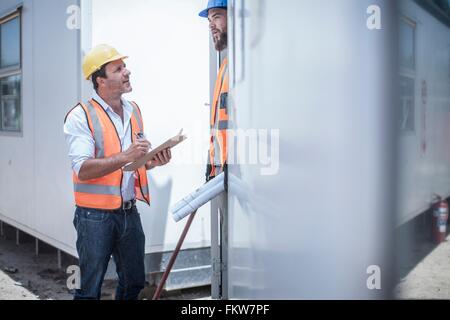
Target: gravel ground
38,276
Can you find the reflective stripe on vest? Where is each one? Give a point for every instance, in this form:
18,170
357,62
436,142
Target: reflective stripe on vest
97,132
223,124
137,116
145,189
97,189
141,182
219,122
105,192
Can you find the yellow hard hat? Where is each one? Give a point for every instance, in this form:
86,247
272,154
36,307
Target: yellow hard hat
99,56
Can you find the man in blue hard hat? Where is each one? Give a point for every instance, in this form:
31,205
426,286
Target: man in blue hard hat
216,12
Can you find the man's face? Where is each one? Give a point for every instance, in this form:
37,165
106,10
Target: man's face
117,80
217,18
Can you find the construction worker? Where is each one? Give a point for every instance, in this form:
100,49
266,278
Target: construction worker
103,135
216,12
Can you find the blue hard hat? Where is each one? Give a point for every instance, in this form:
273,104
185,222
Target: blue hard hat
213,4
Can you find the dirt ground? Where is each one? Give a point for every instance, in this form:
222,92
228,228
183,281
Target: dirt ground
22,271
25,276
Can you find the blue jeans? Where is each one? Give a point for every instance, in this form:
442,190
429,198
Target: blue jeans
102,234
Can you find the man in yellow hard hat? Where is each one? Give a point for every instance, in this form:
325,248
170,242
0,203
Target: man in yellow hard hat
103,135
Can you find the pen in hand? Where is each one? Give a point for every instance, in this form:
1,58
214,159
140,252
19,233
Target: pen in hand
140,136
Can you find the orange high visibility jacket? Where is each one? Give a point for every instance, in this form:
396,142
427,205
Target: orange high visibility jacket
219,122
105,192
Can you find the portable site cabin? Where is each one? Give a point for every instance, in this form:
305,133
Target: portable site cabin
424,163
42,46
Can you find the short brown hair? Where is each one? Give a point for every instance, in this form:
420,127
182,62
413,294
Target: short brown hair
99,73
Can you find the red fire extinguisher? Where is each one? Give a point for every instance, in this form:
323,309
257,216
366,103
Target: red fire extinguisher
439,222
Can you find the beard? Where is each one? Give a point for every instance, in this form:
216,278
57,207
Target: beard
221,42
119,87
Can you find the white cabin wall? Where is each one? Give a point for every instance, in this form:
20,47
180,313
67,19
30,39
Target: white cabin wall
35,189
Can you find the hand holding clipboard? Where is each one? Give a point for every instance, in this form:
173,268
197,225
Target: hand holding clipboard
172,142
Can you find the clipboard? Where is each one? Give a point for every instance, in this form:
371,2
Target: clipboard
172,142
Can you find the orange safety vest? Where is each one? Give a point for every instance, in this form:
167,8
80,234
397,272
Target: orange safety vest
105,192
219,122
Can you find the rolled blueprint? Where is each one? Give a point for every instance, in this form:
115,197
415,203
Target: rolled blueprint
198,198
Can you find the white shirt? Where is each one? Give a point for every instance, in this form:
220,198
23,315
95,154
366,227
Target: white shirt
82,145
